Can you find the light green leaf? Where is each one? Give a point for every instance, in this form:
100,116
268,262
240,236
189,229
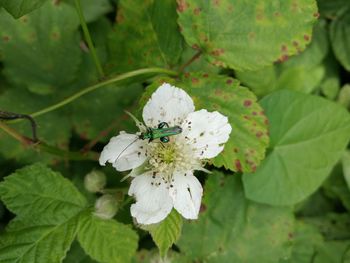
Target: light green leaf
106,240
167,232
247,35
18,8
234,229
44,196
344,96
29,242
146,35
340,37
248,139
47,44
303,72
306,240
308,136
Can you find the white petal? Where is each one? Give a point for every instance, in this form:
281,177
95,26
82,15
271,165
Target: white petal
206,132
167,104
153,202
124,151
186,192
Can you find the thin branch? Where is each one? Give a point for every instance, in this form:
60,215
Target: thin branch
41,146
190,61
89,89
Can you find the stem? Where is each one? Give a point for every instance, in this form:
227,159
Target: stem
197,55
99,85
88,39
47,148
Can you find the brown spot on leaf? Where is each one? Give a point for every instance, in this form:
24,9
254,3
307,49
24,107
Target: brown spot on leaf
197,11
203,208
238,165
216,2
307,37
194,80
181,5
259,134
247,103
229,81
5,38
205,75
317,15
284,48
217,52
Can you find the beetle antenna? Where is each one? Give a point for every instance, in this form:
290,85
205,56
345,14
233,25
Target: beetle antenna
125,149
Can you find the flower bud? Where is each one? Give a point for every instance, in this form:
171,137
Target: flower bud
106,206
95,181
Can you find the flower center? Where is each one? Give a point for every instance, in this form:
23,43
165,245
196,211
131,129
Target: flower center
167,153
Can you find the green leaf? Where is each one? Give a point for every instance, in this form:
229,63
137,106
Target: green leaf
344,96
247,35
106,240
146,35
30,242
44,196
346,167
306,240
333,252
18,8
330,9
340,37
308,136
167,232
248,139
48,207
234,229
303,72
46,42
77,255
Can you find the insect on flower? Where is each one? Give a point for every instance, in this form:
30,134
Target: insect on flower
162,170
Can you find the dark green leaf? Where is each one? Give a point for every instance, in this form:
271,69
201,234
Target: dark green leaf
18,8
234,229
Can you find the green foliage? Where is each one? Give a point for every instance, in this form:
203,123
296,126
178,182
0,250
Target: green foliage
308,136
152,35
18,8
43,70
106,240
340,36
248,140
247,35
278,192
234,229
166,233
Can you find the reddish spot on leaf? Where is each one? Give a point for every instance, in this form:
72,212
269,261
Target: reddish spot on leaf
283,58
238,165
247,103
259,134
187,74
216,2
266,121
284,48
254,113
194,80
229,81
195,46
205,75
307,37
197,11
217,52
6,38
295,43
246,117
317,15
182,5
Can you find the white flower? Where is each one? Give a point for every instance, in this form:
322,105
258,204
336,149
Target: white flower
163,172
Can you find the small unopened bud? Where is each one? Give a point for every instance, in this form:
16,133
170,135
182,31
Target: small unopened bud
95,181
106,206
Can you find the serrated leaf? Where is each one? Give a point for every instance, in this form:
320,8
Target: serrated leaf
308,136
44,196
167,232
146,35
249,138
303,72
234,229
29,242
48,207
77,255
18,8
47,44
340,37
247,35
106,240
